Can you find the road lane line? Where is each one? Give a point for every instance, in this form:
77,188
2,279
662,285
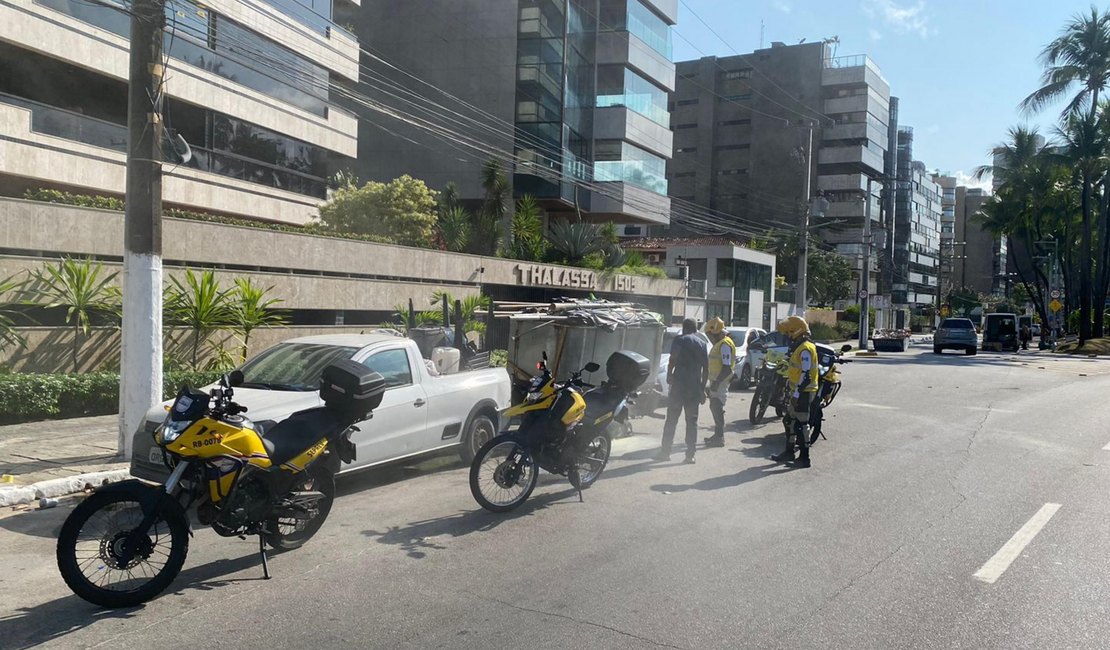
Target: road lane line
997,565
1107,447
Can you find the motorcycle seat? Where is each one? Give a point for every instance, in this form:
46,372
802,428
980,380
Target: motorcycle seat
292,436
600,401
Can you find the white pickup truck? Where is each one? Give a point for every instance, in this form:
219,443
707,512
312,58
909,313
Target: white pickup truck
421,412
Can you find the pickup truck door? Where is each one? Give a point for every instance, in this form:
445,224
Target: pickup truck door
399,423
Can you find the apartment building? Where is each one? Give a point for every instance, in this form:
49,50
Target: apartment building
917,222
247,89
742,126
574,90
980,259
950,248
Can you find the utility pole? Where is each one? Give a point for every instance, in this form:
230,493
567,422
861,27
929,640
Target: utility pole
865,274
141,357
803,234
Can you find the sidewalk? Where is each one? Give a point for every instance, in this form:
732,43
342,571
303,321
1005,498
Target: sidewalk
57,457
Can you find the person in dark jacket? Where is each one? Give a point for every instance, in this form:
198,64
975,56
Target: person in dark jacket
687,375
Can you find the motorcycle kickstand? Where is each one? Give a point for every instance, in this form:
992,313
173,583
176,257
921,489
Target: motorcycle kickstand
262,552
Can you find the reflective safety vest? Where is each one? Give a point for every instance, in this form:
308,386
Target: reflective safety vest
723,355
794,374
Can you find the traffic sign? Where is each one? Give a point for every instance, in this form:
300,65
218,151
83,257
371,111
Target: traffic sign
1055,293
1055,305
862,294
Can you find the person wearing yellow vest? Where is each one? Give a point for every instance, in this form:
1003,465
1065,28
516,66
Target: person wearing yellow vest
802,378
722,359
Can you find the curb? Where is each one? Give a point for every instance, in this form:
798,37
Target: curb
58,487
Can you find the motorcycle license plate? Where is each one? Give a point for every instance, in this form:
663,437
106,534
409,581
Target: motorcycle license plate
156,455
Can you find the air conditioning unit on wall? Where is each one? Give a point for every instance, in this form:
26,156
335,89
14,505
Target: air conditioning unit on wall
654,258
631,231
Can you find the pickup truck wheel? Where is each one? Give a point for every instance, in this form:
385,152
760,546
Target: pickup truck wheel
480,431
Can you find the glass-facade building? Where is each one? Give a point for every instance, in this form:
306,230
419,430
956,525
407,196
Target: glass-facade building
583,66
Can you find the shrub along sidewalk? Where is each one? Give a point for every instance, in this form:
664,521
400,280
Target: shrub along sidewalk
27,398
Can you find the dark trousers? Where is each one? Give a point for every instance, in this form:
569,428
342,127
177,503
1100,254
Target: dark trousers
675,406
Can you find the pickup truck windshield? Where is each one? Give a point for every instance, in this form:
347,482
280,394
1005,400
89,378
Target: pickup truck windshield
292,366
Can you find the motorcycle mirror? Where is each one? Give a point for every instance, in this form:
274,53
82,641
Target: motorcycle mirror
235,378
591,367
846,347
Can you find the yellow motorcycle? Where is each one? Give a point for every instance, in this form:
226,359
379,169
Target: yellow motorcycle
564,429
126,543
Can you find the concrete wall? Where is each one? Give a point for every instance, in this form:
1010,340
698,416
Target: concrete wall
49,349
309,272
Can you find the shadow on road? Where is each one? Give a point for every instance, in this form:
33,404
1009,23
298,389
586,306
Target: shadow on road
419,537
728,480
29,627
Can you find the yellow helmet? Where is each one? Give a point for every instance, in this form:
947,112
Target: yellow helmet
715,325
794,327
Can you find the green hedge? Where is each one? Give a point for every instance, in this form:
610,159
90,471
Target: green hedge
26,398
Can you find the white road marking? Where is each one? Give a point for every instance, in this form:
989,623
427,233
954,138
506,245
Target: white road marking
997,565
1107,447
880,407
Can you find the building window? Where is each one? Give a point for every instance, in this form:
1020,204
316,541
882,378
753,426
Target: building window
684,175
732,172
743,73
732,147
616,160
734,123
620,86
686,102
679,127
686,150
737,98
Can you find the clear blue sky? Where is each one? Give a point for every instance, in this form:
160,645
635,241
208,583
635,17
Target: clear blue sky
960,67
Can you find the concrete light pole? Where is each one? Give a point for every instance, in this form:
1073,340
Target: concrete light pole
803,234
865,274
141,356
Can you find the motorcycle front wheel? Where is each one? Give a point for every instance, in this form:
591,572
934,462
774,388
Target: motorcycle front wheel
91,544
761,399
291,529
503,474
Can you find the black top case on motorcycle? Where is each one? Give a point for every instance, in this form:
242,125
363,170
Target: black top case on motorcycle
351,388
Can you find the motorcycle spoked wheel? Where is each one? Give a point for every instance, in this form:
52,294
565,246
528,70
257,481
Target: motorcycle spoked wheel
287,532
91,541
591,461
761,399
503,474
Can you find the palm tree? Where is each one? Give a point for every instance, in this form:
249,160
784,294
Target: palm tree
1084,151
487,227
81,287
251,309
199,304
1013,157
1079,56
8,334
455,229
527,231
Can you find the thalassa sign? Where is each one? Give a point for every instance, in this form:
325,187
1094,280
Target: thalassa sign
553,276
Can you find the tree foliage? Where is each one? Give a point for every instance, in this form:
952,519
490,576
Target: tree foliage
829,277
249,308
198,303
402,211
528,242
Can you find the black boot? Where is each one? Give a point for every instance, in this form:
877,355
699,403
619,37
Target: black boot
803,460
717,440
785,456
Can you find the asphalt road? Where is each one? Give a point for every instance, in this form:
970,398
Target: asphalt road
931,468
